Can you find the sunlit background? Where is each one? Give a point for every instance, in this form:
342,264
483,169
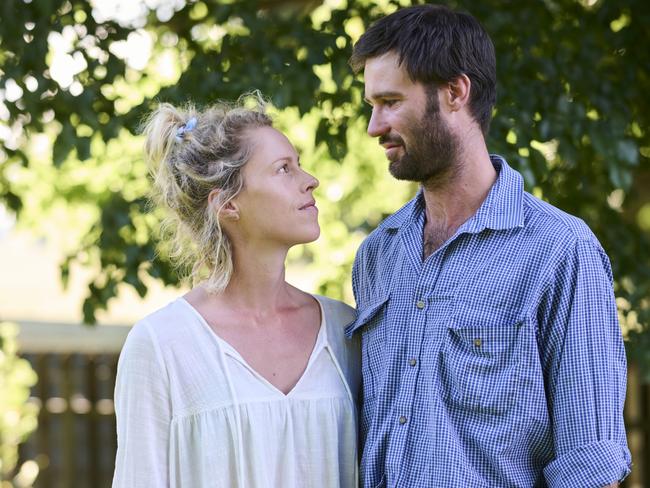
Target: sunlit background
572,117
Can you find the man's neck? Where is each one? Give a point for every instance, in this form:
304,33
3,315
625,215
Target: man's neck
454,198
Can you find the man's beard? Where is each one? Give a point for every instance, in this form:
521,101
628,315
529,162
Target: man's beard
432,151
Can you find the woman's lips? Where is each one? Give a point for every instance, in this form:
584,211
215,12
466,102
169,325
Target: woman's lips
309,206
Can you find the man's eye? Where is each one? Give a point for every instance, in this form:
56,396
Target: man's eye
390,103
284,168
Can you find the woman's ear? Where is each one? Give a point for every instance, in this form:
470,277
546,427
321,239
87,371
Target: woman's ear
230,210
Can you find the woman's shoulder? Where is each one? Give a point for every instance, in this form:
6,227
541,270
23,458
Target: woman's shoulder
338,315
166,324
336,312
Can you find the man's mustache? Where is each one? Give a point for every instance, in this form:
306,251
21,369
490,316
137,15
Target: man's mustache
387,139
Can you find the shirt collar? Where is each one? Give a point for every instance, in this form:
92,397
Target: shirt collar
502,208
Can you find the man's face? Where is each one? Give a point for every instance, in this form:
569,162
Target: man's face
408,122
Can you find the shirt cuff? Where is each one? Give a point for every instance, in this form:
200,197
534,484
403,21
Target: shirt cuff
592,465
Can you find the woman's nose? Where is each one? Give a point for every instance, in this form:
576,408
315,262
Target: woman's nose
312,182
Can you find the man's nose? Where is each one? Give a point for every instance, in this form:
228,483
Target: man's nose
377,126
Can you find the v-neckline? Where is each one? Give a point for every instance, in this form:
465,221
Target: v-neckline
321,340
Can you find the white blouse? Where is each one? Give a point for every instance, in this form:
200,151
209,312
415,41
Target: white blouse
192,413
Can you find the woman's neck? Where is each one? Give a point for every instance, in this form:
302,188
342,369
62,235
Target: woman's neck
258,280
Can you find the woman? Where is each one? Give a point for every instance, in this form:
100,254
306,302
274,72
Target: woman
245,381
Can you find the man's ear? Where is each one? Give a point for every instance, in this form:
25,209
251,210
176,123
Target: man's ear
457,92
230,211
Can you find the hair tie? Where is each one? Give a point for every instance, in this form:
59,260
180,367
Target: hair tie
185,128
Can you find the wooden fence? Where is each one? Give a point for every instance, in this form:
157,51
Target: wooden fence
74,445
75,442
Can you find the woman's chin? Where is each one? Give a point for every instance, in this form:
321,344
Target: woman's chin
308,237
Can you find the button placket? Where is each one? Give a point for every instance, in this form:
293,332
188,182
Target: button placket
411,340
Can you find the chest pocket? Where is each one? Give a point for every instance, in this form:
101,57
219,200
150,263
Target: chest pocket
480,361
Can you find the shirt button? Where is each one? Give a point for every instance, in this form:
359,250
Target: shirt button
402,420
413,362
478,342
420,304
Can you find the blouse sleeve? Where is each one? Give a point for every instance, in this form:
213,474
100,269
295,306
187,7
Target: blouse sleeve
143,413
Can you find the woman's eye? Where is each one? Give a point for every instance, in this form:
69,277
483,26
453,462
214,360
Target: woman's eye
284,168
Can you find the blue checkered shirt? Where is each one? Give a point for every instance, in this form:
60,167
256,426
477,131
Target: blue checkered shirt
498,361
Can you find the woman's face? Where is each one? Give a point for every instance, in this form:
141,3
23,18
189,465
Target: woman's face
276,205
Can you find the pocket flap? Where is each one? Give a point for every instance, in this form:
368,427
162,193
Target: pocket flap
485,332
364,315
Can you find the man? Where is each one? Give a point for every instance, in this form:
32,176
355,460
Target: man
492,354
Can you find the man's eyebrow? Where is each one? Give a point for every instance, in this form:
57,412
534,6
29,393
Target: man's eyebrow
384,94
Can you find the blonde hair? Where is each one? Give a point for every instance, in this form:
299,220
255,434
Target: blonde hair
191,152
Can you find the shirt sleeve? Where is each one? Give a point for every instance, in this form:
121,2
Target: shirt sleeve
585,369
143,413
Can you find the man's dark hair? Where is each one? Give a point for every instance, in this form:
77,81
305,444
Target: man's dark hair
436,44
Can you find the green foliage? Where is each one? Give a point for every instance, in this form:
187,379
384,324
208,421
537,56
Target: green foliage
18,418
572,116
